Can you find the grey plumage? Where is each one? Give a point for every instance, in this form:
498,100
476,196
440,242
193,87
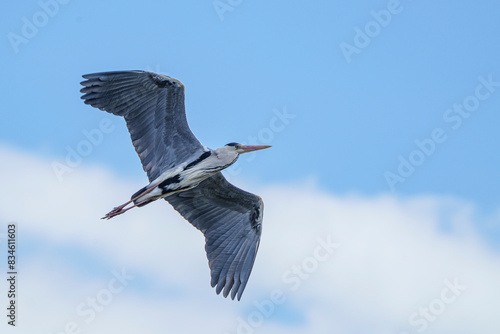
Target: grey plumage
153,107
230,218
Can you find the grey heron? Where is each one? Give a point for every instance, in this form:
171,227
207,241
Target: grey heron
183,171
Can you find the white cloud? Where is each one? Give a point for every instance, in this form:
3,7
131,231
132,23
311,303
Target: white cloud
393,261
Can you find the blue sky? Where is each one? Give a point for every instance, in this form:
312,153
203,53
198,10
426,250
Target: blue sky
276,73
353,120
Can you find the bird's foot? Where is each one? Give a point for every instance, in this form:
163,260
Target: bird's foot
121,209
116,211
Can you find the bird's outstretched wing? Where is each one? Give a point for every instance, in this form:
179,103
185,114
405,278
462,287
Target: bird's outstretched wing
231,220
153,107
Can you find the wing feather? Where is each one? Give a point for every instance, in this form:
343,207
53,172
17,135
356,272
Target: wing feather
153,108
231,220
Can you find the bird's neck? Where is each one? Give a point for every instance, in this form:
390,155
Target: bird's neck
224,158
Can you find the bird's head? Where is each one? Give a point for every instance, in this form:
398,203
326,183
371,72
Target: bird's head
240,148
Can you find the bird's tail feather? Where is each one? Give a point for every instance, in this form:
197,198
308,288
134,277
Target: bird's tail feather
136,197
137,193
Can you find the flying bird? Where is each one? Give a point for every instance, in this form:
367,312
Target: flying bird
183,171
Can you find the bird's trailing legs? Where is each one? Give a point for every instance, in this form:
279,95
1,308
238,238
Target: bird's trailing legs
121,209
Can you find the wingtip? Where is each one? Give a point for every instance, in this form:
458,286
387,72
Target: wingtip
219,288
88,75
233,292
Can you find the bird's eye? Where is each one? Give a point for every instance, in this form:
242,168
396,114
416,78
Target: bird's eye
237,146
